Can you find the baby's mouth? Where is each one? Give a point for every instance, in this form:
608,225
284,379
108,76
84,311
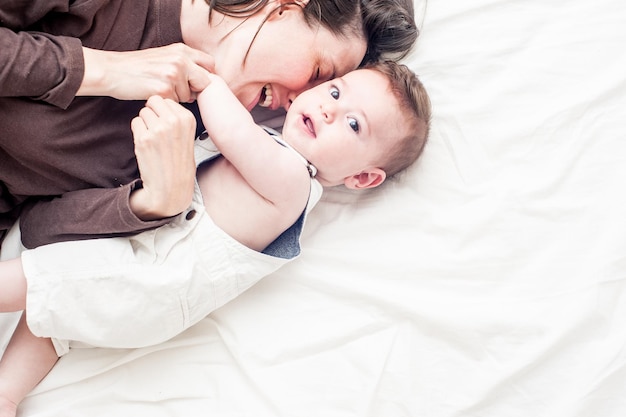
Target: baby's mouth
266,96
309,124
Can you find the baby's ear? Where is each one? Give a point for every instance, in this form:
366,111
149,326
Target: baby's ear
370,178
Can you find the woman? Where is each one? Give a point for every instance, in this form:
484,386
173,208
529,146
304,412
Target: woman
60,55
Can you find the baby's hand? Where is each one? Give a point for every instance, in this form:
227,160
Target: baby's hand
164,134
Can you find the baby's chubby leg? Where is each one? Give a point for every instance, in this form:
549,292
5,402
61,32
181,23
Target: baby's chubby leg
26,361
27,358
7,408
12,285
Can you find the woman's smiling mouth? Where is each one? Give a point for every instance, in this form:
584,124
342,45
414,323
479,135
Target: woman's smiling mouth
266,98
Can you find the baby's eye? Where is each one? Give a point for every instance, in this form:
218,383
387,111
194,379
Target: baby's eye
334,92
354,124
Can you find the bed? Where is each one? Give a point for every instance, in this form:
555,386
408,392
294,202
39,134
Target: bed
487,280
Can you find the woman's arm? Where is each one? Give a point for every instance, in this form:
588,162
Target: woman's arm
39,65
174,71
55,68
83,214
164,135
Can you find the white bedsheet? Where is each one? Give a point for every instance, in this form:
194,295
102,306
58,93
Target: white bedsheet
488,280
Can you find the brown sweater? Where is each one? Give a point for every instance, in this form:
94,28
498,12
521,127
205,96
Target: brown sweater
52,143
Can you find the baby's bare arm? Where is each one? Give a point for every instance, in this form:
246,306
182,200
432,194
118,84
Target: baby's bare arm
269,168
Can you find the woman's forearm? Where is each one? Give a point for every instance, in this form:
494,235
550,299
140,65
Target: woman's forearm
174,71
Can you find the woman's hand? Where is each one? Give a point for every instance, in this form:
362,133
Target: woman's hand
164,134
174,71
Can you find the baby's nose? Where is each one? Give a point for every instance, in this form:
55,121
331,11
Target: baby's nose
328,111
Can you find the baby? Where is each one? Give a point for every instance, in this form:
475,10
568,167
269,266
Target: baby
254,189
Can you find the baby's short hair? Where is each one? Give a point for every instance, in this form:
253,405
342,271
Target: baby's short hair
415,105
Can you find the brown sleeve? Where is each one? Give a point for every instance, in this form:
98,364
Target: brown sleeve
82,214
36,64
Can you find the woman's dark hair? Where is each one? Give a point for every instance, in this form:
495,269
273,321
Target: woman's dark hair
388,26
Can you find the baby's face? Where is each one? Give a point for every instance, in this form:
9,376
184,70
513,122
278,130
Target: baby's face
345,125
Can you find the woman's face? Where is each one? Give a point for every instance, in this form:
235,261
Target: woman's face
286,58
